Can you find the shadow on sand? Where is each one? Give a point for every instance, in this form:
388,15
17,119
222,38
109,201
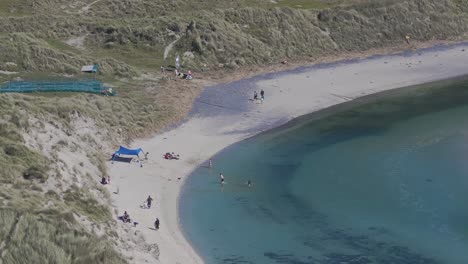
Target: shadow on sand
122,159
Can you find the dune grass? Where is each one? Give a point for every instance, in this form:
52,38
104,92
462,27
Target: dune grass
14,7
28,233
145,58
60,45
45,238
307,4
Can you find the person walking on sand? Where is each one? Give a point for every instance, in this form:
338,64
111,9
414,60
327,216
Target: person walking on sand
148,201
255,95
221,178
262,94
210,164
156,224
108,179
407,38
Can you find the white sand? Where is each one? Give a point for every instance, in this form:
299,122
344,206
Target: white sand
287,96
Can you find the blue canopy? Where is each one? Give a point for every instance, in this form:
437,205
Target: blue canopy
126,151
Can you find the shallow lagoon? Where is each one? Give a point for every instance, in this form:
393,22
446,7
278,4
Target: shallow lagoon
380,180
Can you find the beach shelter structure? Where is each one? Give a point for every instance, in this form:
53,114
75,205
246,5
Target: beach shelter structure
126,151
90,68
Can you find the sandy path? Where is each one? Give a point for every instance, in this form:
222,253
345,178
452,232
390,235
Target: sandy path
87,7
169,47
210,128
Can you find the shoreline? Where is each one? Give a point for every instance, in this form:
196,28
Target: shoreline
222,115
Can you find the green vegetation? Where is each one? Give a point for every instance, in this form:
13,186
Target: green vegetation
42,194
29,233
46,237
308,4
14,7
147,59
60,45
231,33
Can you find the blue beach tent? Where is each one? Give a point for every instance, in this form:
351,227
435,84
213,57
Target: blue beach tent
127,151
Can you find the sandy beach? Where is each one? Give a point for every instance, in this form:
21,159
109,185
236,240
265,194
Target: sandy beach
223,115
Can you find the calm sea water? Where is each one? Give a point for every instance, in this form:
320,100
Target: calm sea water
383,180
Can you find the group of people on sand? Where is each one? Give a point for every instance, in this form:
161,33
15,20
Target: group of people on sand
105,181
262,96
181,75
126,217
148,201
171,156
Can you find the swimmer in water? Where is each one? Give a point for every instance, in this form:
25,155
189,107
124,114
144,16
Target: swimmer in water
221,178
249,183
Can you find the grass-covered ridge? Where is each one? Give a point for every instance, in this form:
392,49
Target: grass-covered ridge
49,237
209,32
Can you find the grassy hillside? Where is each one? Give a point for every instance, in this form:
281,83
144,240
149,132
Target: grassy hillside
209,32
53,146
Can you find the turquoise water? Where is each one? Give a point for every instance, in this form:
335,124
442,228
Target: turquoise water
382,180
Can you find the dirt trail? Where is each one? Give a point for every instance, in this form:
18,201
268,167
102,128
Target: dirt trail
87,7
168,48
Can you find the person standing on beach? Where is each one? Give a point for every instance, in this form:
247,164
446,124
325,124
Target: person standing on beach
210,164
148,201
262,94
407,38
156,224
255,95
221,178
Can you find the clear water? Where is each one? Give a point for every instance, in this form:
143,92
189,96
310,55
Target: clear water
383,180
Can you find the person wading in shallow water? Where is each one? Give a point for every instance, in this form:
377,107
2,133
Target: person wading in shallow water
221,178
249,183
